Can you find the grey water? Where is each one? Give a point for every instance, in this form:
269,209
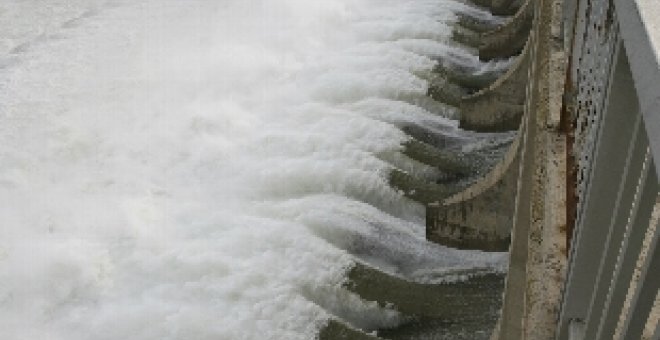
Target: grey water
200,169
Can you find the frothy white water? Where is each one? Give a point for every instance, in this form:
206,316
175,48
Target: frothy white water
208,169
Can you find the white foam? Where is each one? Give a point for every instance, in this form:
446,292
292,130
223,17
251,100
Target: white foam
200,169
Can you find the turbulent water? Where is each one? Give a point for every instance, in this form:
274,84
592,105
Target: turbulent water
197,169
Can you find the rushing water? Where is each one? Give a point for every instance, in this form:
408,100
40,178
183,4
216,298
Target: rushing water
198,169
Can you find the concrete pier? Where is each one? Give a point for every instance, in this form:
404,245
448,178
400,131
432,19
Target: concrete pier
510,38
436,311
498,107
478,217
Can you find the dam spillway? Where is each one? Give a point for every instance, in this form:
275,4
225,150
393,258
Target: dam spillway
216,169
333,169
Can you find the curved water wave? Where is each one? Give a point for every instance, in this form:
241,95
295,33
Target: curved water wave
213,170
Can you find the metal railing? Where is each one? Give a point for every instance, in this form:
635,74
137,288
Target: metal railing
614,261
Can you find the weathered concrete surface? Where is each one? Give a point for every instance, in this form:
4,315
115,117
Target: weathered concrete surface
483,3
466,36
476,24
419,190
498,107
337,330
479,217
537,255
466,78
505,7
546,264
510,38
452,301
499,7
451,162
488,114
445,91
463,310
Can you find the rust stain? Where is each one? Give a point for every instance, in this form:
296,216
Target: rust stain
609,17
567,126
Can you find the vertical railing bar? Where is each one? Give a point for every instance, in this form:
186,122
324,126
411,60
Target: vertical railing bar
582,205
603,100
626,193
640,214
637,33
656,334
644,298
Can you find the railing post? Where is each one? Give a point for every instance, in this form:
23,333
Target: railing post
608,166
647,289
638,25
576,329
639,217
622,101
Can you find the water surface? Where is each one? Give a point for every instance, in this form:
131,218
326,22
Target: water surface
204,169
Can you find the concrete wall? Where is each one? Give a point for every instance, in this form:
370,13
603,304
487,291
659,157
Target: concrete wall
499,106
522,201
479,217
538,259
505,7
510,38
